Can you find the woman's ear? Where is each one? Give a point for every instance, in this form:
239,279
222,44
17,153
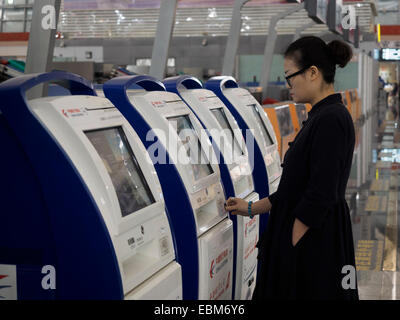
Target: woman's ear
314,72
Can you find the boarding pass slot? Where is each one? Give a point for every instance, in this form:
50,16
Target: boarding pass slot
243,186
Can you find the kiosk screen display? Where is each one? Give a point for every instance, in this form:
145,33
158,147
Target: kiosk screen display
301,112
220,115
284,121
261,123
130,185
199,163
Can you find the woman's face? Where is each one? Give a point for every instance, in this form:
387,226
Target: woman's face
300,84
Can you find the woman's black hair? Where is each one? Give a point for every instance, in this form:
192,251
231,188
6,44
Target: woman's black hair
313,51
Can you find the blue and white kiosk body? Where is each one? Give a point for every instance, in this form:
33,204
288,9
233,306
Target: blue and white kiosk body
249,115
97,209
172,135
235,169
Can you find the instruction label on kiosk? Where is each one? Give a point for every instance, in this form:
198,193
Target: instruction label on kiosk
250,232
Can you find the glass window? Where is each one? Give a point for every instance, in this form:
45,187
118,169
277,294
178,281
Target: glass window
143,62
29,14
130,185
14,2
13,26
284,121
147,62
200,165
264,130
14,14
220,115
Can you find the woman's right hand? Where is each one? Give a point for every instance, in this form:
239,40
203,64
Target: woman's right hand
237,206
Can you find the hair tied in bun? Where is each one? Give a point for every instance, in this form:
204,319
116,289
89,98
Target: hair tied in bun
340,52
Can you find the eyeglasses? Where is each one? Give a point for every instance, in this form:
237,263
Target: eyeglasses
293,75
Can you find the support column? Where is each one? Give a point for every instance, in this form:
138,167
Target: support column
232,44
270,46
165,27
361,96
41,41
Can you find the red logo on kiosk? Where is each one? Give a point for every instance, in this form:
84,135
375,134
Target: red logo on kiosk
72,112
228,281
157,104
3,276
212,269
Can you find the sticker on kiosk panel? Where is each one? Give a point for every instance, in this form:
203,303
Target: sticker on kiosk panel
220,275
220,263
8,282
251,227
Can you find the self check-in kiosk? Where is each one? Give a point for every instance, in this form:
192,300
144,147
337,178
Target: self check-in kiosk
283,124
93,210
248,113
235,171
172,135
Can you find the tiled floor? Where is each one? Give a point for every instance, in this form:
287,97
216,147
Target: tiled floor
374,209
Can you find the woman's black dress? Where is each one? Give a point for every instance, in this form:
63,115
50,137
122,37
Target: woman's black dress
316,169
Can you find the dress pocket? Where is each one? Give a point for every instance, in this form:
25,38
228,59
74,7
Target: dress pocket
301,240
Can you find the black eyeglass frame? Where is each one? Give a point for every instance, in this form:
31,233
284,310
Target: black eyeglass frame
295,74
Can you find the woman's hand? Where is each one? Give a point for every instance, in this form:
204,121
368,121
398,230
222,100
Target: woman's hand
299,229
240,207
237,206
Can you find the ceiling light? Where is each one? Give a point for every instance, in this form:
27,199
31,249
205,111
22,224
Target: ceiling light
212,13
189,19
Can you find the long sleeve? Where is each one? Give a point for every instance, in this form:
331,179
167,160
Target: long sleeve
272,198
327,161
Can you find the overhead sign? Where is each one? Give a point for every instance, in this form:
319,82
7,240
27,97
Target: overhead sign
317,10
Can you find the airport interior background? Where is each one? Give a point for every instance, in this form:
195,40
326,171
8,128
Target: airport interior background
82,83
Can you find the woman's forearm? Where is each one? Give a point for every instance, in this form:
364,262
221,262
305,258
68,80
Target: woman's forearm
261,206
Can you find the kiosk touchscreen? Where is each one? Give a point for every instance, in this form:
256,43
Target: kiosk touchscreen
112,163
173,137
238,182
250,115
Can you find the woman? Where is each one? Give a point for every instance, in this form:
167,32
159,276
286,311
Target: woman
308,241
